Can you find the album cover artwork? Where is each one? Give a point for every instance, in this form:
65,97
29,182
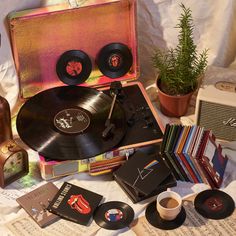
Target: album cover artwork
179,152
188,157
165,137
36,202
166,153
75,203
137,196
196,134
178,163
173,138
176,150
212,159
143,172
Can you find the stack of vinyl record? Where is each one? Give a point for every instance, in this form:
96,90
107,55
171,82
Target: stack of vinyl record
193,155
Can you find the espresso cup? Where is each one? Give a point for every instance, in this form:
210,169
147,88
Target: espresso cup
169,205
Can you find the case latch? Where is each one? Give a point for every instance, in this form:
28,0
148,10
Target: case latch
76,3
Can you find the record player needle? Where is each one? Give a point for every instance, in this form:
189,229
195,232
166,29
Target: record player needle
109,126
112,106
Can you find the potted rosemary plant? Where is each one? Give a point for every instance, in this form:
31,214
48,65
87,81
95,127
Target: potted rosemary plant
179,69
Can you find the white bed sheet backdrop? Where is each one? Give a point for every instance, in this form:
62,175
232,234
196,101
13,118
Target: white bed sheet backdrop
215,29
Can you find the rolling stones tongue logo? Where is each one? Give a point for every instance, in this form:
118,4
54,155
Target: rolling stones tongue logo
78,203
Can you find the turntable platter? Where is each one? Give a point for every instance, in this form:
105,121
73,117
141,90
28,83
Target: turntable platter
66,123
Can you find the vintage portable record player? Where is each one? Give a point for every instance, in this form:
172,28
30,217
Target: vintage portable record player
103,113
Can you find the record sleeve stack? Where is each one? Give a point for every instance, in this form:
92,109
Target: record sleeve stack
193,154
144,176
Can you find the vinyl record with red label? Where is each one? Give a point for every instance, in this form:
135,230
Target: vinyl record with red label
74,67
66,123
214,204
114,60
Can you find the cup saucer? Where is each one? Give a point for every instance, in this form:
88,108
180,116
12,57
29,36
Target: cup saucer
155,220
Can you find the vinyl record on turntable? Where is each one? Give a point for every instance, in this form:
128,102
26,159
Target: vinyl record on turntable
74,67
66,123
114,60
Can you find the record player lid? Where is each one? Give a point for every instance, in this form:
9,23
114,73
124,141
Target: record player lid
87,28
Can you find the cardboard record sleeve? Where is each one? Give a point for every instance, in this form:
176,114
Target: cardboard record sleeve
91,26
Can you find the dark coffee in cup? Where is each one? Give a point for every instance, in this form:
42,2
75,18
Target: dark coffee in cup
169,202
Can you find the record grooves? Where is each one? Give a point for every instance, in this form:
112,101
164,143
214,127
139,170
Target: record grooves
114,60
214,204
74,67
114,215
66,123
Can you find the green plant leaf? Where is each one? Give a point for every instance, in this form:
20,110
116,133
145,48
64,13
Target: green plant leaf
180,67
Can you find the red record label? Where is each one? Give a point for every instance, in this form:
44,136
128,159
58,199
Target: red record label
74,68
115,60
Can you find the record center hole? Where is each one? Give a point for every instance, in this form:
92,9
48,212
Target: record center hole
74,68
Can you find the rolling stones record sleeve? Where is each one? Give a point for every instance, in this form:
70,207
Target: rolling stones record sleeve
36,202
75,203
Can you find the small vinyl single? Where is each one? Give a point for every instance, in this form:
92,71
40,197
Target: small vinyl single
74,67
214,204
114,215
114,60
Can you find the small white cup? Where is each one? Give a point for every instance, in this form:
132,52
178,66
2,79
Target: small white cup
169,213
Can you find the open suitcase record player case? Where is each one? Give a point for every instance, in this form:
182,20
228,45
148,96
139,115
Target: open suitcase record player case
41,36
93,46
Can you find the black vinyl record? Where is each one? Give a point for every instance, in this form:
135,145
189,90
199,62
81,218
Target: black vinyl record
214,204
114,215
66,123
155,220
74,67
114,60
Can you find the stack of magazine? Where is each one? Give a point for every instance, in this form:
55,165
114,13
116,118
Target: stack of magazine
193,154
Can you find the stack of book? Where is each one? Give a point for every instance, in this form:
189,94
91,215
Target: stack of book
193,154
144,176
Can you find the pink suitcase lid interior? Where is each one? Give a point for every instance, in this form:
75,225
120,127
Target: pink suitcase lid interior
41,36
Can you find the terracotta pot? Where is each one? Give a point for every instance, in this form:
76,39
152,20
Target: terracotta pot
173,106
